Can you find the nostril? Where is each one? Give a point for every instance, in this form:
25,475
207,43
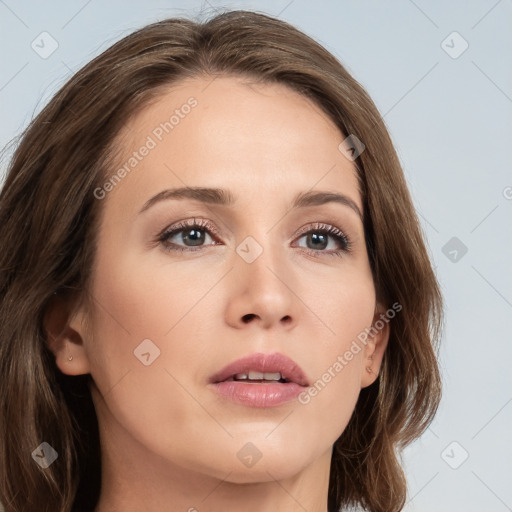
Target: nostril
248,317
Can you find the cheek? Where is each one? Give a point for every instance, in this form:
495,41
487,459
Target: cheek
135,303
149,330
346,310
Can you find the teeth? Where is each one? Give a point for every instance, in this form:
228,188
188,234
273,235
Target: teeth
258,376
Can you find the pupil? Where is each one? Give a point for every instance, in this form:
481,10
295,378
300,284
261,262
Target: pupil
316,237
196,238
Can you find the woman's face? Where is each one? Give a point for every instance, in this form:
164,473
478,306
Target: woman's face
184,285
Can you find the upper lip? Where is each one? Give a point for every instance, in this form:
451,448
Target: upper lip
265,363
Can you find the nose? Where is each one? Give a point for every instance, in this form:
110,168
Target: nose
261,293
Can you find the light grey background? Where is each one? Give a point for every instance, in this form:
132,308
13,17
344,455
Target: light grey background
451,121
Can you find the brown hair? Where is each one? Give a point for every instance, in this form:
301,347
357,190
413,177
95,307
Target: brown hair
49,220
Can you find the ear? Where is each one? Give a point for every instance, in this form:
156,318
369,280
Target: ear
376,343
64,334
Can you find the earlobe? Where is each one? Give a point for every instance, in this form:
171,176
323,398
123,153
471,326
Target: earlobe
375,348
64,338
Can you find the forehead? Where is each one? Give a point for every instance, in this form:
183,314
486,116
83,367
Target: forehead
213,132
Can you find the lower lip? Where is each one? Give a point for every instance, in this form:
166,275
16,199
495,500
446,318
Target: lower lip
258,394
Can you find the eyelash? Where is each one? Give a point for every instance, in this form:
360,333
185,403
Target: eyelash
318,227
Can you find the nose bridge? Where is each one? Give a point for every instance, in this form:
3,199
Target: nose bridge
258,249
258,260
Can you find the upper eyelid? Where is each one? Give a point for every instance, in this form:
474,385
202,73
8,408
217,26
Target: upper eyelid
320,226
190,223
208,225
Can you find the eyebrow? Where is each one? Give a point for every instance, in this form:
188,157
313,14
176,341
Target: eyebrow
223,197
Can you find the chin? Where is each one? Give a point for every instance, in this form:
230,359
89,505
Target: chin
267,464
265,472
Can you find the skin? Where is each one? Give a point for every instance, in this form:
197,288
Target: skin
168,441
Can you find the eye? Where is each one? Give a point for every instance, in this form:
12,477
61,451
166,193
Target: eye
193,234
320,236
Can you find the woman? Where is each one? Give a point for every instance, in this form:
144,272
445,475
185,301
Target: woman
215,294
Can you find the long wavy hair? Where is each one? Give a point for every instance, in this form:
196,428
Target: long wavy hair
49,222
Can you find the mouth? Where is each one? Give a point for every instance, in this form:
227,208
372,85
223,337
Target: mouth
262,368
255,376
260,380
